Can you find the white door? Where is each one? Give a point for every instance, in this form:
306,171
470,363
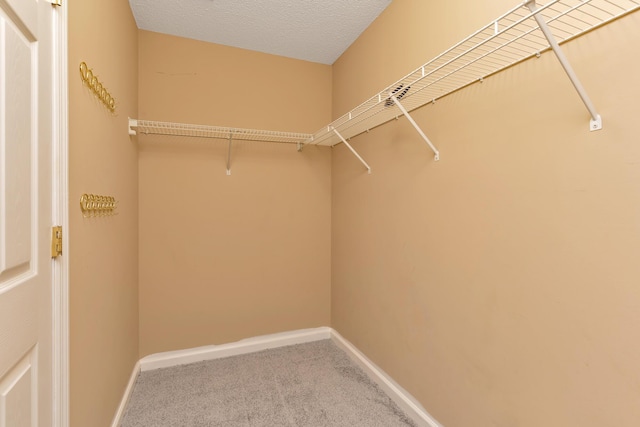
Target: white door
26,34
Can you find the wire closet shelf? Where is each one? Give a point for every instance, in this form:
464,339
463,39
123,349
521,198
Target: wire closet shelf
527,30
150,127
513,37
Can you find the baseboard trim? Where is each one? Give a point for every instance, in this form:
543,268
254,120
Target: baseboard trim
399,395
127,394
249,345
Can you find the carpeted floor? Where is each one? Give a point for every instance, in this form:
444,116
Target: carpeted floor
310,385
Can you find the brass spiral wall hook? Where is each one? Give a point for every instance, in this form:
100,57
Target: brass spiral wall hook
93,205
93,83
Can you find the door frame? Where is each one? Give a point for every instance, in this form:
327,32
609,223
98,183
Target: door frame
60,216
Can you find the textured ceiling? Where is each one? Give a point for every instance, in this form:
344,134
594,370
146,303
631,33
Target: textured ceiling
311,30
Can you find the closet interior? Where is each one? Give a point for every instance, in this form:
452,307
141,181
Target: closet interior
525,31
487,262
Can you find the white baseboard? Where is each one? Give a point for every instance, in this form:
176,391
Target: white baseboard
400,396
125,398
249,345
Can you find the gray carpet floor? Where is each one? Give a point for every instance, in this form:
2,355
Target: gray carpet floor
311,385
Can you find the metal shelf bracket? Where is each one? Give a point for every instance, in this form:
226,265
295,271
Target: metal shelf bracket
596,121
352,150
229,155
415,125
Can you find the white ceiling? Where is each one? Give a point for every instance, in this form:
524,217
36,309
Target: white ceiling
311,30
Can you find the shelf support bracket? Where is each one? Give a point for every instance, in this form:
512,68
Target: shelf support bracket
132,123
352,150
596,120
415,125
229,155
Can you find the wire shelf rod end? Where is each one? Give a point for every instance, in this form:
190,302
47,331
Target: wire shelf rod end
133,123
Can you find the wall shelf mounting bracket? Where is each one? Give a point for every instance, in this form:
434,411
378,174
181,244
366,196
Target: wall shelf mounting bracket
596,121
415,125
229,154
355,153
133,123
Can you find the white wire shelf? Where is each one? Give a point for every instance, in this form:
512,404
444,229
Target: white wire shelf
508,40
149,127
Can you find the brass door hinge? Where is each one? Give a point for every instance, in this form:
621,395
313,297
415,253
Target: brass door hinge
56,241
56,2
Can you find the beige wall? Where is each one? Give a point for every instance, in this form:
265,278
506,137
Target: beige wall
228,257
102,251
499,285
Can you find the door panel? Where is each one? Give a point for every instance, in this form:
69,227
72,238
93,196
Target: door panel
18,393
26,397
24,14
16,147
19,325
